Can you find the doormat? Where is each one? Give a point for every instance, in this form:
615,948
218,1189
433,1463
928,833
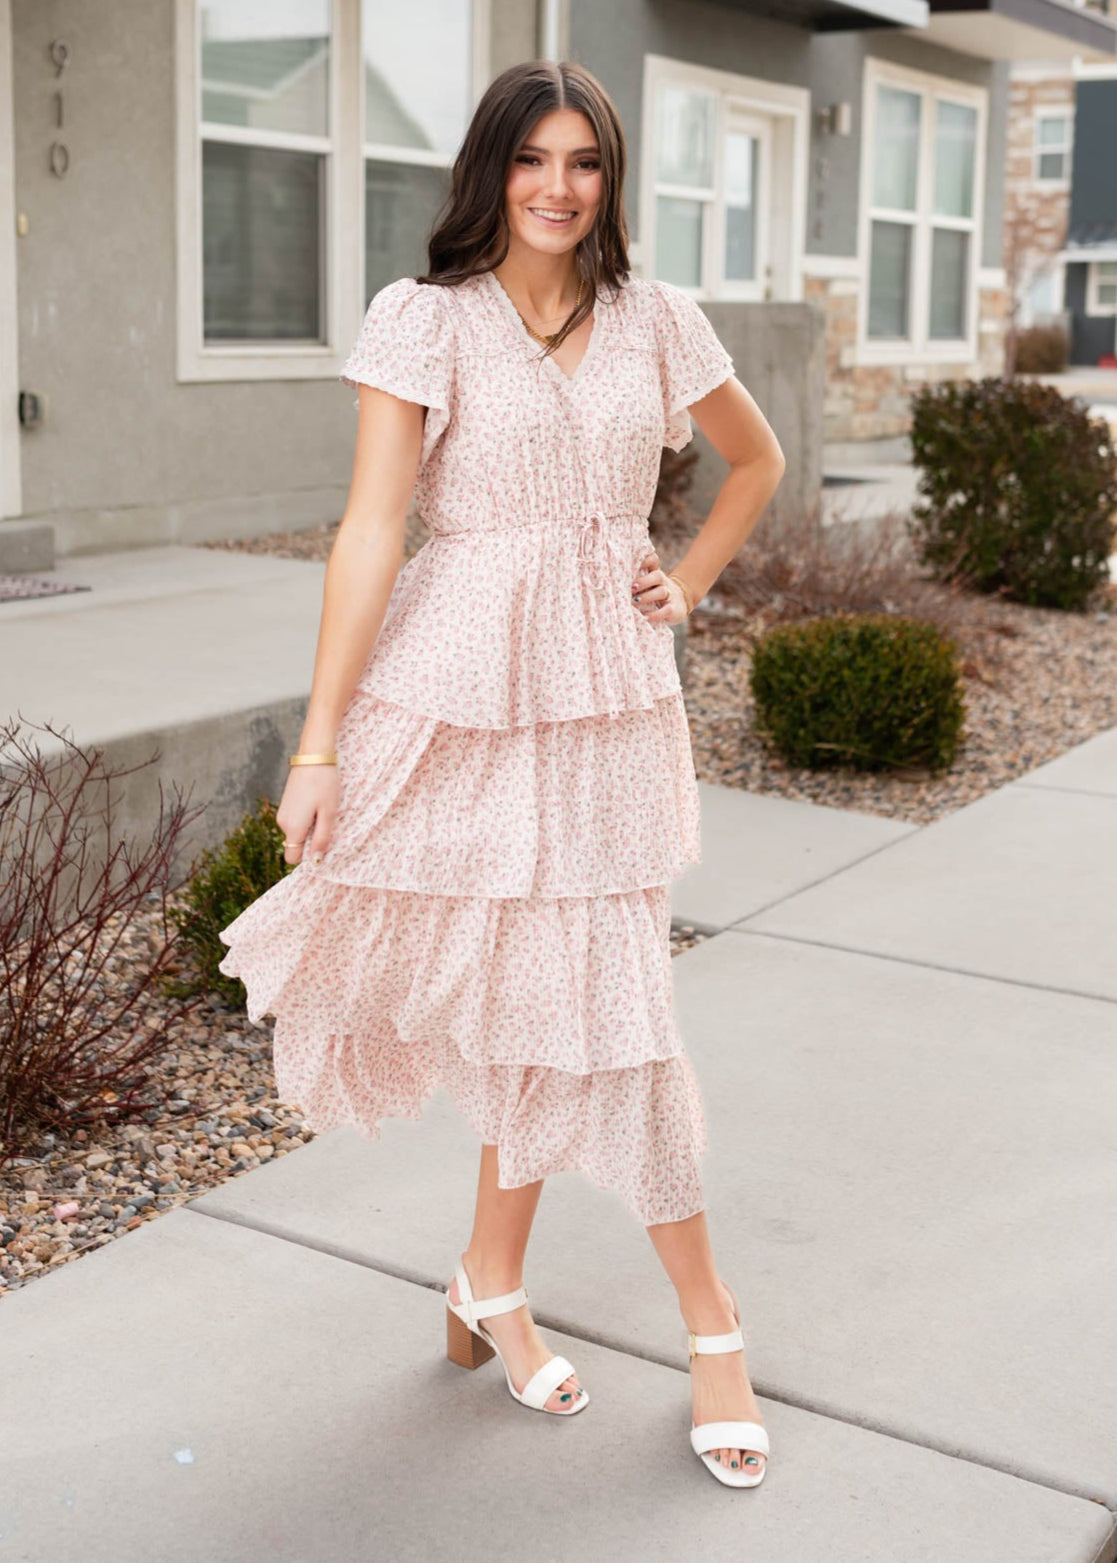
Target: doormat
15,588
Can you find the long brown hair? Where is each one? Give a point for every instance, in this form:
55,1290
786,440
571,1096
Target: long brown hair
470,235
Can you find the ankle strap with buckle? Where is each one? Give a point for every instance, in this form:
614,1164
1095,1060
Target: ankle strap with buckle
476,1308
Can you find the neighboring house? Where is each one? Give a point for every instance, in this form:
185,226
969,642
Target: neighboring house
1090,254
1061,203
198,198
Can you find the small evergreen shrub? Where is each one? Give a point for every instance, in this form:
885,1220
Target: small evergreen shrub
1019,489
222,884
873,691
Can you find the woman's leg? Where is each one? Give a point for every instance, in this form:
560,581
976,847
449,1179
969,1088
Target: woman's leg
494,1263
721,1391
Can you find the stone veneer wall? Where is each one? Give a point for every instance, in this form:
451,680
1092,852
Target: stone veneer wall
866,402
1035,214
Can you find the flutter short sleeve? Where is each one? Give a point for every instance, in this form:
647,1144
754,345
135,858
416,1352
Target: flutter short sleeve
693,361
406,347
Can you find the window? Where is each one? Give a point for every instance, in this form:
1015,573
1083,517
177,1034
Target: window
313,142
720,147
922,172
265,126
1101,288
1052,146
417,91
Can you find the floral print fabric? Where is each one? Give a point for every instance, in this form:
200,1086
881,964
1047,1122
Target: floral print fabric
517,787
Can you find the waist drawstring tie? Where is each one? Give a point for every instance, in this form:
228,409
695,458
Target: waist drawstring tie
592,549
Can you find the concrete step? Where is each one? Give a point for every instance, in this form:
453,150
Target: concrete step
26,547
202,657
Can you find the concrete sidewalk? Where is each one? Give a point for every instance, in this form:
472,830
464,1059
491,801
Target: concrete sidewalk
907,1041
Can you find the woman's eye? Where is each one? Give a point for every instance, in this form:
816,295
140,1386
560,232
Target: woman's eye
585,162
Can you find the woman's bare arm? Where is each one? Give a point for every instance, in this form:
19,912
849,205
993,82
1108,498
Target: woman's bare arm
738,431
362,569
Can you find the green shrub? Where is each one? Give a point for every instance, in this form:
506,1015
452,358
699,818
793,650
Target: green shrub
868,690
1020,491
222,883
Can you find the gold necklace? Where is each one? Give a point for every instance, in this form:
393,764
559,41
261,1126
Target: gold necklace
539,335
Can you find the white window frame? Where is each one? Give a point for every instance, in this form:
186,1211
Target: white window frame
787,110
1061,181
1093,305
919,348
344,219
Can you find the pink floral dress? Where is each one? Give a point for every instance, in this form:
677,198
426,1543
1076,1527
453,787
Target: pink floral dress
517,787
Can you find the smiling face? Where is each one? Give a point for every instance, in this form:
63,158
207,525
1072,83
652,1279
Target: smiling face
554,189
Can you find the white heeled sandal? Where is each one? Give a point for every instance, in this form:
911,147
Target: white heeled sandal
746,1436
469,1344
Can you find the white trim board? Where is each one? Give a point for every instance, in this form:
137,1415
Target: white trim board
832,266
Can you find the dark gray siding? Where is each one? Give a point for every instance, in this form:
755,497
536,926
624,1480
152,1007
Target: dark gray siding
1090,335
1094,178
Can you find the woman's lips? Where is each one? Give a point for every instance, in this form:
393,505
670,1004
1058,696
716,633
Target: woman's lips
551,222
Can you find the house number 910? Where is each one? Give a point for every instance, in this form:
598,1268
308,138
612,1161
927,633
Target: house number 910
59,152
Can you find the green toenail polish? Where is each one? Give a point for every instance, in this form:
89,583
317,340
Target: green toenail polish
734,1464
752,1460
564,1397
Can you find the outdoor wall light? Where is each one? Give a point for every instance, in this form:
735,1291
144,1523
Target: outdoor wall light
32,409
835,120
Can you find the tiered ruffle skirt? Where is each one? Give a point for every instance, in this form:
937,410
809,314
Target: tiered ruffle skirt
517,791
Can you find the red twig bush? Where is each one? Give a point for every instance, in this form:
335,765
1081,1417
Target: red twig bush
79,1015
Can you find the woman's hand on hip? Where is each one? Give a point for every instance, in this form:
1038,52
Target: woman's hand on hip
658,598
307,811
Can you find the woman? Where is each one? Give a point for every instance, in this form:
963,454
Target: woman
494,785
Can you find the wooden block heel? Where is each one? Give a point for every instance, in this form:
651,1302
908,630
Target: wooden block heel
463,1347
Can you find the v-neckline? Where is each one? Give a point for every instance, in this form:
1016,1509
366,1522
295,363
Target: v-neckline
528,340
